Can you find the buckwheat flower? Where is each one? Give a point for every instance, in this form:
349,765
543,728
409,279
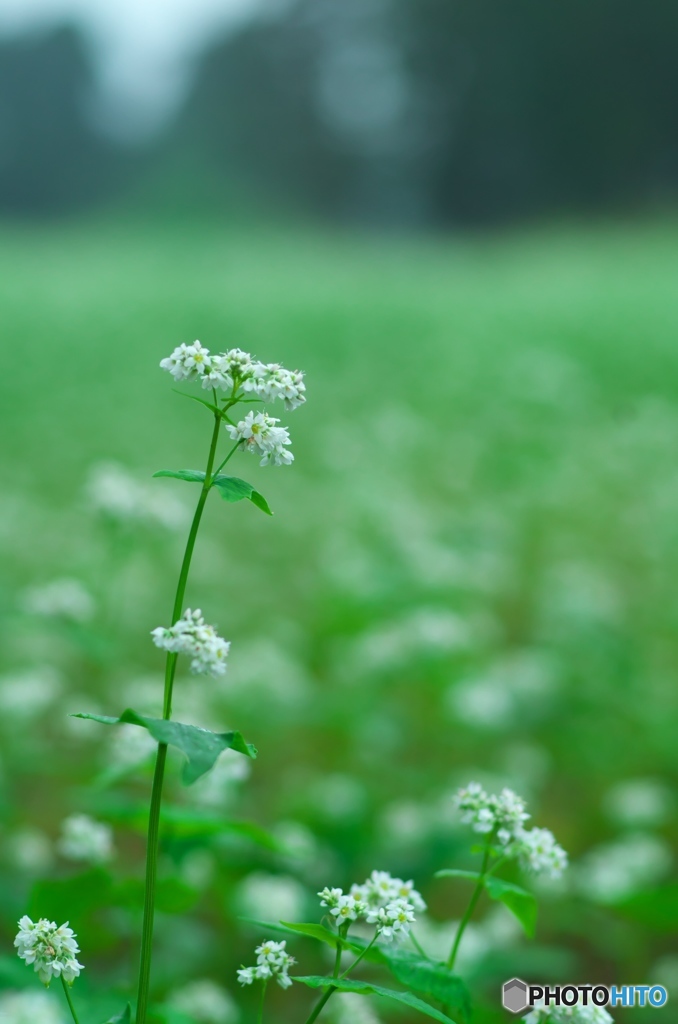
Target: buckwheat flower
273,381
393,921
83,838
192,636
187,362
258,434
503,814
538,852
52,951
406,891
273,961
330,897
230,370
348,908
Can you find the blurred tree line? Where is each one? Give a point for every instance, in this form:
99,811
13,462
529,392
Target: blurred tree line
392,111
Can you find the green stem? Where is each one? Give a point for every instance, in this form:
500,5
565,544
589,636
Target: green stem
335,974
359,958
159,774
418,946
261,1003
480,885
232,452
69,1000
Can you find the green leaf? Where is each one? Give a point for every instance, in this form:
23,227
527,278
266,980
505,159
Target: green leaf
201,747
366,989
122,1018
314,931
430,979
194,398
192,476
232,488
520,902
472,876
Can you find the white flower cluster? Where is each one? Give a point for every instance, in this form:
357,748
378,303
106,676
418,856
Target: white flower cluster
568,1015
235,369
387,902
258,434
272,962
503,816
191,635
52,950
83,838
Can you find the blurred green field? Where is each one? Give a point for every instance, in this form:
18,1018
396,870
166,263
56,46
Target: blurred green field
471,573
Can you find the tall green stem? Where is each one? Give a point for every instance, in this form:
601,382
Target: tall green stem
315,1012
159,774
480,885
67,993
261,1003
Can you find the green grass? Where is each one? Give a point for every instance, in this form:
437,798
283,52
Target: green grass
486,488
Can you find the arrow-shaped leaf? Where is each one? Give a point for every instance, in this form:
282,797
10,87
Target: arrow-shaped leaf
366,989
431,979
192,476
232,488
201,747
122,1018
521,903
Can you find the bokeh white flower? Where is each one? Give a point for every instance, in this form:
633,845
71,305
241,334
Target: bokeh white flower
191,635
66,598
502,819
52,951
204,1002
84,839
568,1015
30,1008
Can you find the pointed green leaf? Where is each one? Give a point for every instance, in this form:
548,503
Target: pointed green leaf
192,476
232,488
471,876
194,398
520,902
427,977
201,747
122,1018
313,931
365,989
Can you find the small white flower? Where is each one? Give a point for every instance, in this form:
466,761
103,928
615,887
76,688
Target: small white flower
258,434
272,381
191,635
539,852
330,897
187,362
393,921
53,951
83,838
273,961
503,814
348,908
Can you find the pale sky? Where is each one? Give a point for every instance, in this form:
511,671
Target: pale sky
145,47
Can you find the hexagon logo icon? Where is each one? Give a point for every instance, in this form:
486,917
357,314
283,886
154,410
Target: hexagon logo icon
514,995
